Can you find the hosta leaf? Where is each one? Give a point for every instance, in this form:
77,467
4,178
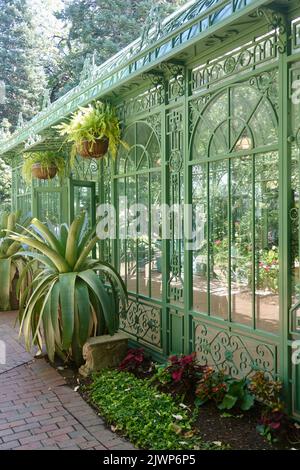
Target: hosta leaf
228,402
247,402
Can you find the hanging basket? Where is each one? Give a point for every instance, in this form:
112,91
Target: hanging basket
95,149
43,173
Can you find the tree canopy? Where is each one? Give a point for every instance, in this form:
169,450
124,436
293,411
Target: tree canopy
43,45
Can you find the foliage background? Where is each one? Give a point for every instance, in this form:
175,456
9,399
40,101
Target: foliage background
43,45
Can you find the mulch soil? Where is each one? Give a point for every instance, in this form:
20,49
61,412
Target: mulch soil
233,428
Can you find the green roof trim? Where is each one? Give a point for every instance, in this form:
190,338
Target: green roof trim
160,41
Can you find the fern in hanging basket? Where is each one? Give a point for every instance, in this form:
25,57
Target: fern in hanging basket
43,165
93,131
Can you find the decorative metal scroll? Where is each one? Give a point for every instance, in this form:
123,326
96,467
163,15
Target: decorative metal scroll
175,147
247,57
86,169
143,321
235,354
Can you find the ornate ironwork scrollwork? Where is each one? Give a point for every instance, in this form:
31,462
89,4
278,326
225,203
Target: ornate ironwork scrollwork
277,21
238,356
142,321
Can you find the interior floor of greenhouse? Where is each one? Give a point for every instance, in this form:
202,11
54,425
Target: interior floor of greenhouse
248,307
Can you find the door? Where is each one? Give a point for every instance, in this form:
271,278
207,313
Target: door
50,204
83,198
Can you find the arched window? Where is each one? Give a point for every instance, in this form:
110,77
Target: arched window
235,181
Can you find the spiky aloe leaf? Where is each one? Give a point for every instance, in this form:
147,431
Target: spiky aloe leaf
96,285
67,303
48,236
85,253
5,276
72,241
59,262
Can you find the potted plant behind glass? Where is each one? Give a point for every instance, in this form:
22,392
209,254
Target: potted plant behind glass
43,165
93,130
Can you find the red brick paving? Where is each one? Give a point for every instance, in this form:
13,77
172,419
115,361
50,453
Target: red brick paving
39,411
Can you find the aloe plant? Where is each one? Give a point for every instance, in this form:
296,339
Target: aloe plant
69,301
12,264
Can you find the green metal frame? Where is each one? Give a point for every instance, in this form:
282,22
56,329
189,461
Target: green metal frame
164,87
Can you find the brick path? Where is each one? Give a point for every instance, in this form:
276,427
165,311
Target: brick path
39,411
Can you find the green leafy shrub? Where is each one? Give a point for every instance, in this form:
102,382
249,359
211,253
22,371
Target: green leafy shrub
180,376
69,302
98,121
151,420
268,393
237,394
211,386
137,362
226,392
12,265
268,271
46,160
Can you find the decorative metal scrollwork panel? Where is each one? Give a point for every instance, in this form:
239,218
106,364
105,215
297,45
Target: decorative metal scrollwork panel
85,169
247,57
175,161
145,101
237,355
143,321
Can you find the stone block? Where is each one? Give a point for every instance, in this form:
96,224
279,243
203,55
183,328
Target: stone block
102,352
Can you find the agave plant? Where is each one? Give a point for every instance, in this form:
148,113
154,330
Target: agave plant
69,301
12,264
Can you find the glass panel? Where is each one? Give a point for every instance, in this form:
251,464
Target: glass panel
140,256
154,152
263,124
200,225
83,201
241,240
266,241
122,230
49,207
213,117
131,244
156,243
218,220
295,233
144,263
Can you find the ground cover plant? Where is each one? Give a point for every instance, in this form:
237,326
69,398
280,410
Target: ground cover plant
252,405
149,418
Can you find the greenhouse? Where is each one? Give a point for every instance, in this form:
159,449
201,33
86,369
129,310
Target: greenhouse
208,101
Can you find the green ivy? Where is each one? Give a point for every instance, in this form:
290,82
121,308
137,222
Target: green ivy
150,419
